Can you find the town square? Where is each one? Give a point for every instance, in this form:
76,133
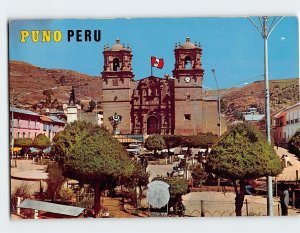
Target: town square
203,122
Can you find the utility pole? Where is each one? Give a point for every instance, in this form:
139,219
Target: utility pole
219,100
265,33
219,103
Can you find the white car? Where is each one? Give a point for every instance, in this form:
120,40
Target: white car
134,149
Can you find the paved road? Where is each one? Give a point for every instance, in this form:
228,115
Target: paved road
27,169
159,170
218,204
289,173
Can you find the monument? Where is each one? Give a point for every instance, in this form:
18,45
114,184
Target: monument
115,120
72,108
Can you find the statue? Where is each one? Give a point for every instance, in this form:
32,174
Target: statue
115,120
72,97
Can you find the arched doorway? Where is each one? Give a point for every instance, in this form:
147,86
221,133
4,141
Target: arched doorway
152,125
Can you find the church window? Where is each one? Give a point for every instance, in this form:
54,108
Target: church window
187,63
116,64
187,117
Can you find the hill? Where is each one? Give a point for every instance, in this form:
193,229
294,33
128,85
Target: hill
26,78
283,93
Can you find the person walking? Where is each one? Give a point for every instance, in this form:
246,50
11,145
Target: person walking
284,201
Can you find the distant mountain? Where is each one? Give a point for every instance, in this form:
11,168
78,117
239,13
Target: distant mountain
283,93
26,78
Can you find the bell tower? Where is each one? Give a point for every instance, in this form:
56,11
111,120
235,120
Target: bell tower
188,74
117,78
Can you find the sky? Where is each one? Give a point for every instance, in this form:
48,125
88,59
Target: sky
231,46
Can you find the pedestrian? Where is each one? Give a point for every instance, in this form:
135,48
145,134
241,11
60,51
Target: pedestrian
250,185
284,201
283,161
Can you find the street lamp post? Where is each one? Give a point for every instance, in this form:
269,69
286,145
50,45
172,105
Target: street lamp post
219,100
265,33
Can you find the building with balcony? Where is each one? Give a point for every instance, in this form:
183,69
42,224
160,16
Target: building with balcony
24,123
286,123
28,124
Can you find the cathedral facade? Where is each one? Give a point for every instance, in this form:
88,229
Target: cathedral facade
158,105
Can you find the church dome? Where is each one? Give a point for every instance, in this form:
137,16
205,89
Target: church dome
117,46
188,44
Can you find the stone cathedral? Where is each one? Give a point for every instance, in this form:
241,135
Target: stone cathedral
158,105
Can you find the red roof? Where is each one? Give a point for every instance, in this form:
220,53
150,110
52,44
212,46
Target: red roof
45,118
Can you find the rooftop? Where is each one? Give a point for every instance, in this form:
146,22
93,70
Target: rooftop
56,119
188,44
45,118
23,111
213,97
281,112
117,46
254,117
51,207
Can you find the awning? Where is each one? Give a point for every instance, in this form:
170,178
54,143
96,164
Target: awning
51,207
17,149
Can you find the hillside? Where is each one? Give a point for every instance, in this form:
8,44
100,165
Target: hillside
26,78
283,93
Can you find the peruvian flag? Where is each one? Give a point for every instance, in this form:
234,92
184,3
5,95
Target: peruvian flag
157,62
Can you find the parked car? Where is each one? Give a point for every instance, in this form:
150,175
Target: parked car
134,149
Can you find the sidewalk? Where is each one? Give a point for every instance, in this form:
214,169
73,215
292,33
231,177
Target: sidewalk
27,169
218,204
289,173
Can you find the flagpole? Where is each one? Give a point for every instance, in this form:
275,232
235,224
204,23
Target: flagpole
151,66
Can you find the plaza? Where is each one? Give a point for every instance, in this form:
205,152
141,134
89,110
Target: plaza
197,204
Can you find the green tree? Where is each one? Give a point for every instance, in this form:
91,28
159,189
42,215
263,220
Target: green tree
138,179
22,191
207,139
155,142
66,139
92,105
92,156
242,154
178,187
48,94
294,144
198,174
24,143
41,142
171,141
55,180
202,140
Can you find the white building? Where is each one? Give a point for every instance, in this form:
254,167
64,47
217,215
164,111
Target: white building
286,123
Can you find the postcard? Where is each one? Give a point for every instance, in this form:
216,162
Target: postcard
154,117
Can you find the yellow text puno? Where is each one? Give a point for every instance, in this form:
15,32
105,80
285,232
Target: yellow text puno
40,36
